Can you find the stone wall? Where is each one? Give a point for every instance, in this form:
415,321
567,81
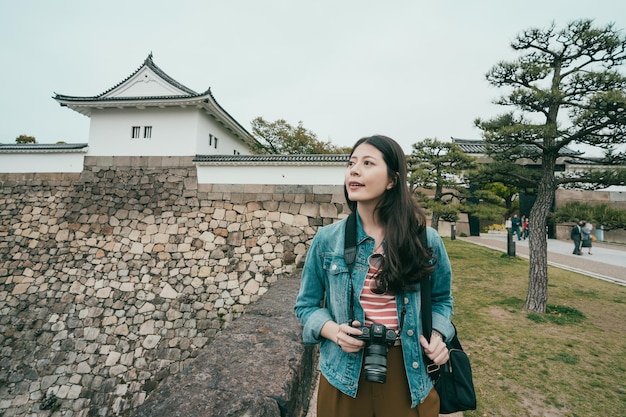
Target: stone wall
257,366
112,280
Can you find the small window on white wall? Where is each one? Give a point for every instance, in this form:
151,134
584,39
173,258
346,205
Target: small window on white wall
147,132
136,130
212,141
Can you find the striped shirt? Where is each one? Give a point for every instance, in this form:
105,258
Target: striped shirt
378,308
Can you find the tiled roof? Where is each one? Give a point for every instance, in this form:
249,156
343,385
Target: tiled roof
109,99
43,147
147,63
473,146
314,159
150,64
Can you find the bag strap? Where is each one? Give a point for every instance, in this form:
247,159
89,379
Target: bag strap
427,311
427,314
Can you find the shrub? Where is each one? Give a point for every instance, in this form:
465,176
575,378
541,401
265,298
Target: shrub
25,139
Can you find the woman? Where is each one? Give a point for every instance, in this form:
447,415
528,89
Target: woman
381,288
586,236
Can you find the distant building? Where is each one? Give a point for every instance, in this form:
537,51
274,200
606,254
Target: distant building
478,149
569,161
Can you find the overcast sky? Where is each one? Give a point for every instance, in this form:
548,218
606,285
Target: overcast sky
408,69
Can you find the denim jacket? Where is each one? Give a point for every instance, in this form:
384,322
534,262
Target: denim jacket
326,275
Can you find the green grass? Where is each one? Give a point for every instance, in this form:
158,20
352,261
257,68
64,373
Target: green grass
570,361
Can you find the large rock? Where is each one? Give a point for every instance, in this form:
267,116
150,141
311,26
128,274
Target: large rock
257,366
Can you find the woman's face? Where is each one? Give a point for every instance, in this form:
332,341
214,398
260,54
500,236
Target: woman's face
366,176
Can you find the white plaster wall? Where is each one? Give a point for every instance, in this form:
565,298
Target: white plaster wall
287,175
618,192
41,162
174,132
227,143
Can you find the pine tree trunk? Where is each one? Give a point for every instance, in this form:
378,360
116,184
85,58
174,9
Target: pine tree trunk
537,296
434,221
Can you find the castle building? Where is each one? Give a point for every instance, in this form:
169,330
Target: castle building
151,114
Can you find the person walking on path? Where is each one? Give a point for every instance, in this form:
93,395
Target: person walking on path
586,236
516,224
360,376
576,235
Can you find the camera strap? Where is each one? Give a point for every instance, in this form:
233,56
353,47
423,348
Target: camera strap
349,254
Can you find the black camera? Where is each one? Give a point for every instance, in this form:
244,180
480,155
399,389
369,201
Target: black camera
378,339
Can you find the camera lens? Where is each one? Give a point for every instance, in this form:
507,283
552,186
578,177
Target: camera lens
375,363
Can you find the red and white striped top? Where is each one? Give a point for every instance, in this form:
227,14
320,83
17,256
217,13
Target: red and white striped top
378,308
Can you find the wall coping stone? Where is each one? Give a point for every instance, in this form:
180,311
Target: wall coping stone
139,161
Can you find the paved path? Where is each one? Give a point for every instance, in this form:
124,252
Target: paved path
607,262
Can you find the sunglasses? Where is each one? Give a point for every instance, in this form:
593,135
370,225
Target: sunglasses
376,261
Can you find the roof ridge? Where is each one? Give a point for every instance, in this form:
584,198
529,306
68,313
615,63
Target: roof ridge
149,62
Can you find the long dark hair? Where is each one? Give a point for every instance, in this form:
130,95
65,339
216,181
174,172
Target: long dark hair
406,260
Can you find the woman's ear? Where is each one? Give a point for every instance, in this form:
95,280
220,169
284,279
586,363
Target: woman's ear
393,181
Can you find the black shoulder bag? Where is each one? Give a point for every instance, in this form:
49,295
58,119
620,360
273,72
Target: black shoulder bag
452,380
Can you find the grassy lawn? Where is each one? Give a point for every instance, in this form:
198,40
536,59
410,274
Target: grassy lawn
569,362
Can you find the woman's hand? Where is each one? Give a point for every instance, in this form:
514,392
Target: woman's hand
345,340
436,350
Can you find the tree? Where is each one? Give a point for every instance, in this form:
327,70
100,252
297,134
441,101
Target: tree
498,179
492,201
281,138
505,192
25,139
564,89
440,166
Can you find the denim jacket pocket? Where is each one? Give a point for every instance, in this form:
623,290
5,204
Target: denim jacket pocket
338,275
